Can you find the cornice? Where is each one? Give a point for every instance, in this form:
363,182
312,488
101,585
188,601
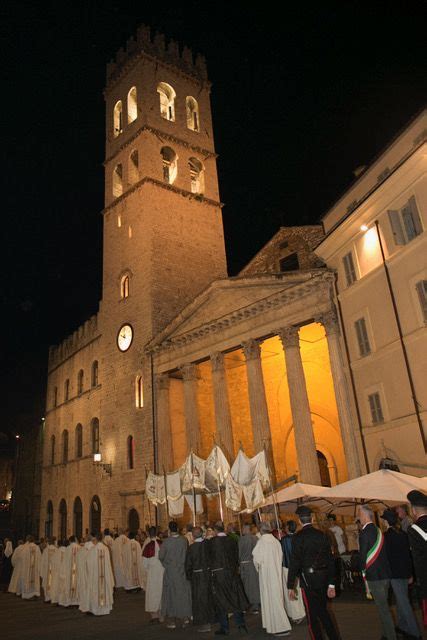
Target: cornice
278,299
163,135
170,187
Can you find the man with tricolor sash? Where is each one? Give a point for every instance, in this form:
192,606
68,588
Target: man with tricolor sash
376,568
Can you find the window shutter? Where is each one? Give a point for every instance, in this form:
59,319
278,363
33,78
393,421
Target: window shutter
421,288
396,227
415,215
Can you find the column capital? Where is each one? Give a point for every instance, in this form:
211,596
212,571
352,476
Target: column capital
217,361
189,371
329,319
251,349
162,381
289,336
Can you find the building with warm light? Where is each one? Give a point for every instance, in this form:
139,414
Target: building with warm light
180,355
375,240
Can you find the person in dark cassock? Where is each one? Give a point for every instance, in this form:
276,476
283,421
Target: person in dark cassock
196,569
312,562
227,589
248,573
417,534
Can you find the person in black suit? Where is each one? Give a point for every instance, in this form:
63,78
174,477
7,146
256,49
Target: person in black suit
376,568
312,563
417,534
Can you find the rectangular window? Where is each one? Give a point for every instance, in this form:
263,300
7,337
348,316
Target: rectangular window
350,271
405,223
375,407
421,288
362,337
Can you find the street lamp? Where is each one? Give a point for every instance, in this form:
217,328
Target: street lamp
97,461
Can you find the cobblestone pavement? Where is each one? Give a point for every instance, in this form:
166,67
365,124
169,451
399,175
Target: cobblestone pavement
31,620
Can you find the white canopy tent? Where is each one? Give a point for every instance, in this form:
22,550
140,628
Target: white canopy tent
299,493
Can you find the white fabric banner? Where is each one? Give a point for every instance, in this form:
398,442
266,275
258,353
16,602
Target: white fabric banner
173,485
217,465
176,507
246,470
193,473
233,494
155,488
199,503
254,495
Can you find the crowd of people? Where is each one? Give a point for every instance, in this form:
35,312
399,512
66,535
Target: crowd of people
210,574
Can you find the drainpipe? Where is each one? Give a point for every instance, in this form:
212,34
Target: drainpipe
402,342
353,384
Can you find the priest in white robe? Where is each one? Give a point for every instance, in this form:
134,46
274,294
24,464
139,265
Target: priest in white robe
132,568
47,568
108,541
154,571
82,575
30,570
58,593
71,592
100,580
15,580
267,557
119,559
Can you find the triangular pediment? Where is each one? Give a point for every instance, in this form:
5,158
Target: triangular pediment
225,297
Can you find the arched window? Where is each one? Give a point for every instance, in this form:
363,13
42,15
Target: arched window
65,446
133,520
139,392
325,478
197,175
167,101
52,450
95,515
95,435
124,286
55,397
80,382
118,118
192,109
78,518
130,452
66,390
170,164
94,374
79,441
62,530
48,525
132,105
118,181
133,169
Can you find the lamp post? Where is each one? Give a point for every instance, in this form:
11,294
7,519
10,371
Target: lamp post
106,466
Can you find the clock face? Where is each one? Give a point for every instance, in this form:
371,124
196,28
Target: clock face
125,337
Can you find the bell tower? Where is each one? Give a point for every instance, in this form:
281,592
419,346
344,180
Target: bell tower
163,234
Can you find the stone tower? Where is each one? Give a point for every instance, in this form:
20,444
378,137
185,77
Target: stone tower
163,234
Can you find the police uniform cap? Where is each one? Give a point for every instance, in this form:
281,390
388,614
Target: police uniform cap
417,498
303,511
389,516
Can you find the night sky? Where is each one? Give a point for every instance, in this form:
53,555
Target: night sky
299,101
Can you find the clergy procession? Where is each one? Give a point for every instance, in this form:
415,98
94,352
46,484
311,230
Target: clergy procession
211,574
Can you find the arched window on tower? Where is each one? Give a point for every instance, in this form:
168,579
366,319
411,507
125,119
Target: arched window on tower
192,109
118,118
167,101
79,441
197,175
124,286
139,392
95,435
170,164
118,181
94,374
132,105
80,382
133,168
130,452
65,446
66,390
52,450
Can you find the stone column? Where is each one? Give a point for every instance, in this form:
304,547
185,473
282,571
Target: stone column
342,396
224,429
257,401
304,437
189,376
164,435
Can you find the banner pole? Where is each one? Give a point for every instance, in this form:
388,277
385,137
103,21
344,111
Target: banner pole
279,531
166,492
194,490
148,500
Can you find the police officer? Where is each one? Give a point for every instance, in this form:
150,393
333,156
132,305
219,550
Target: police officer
417,534
312,562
